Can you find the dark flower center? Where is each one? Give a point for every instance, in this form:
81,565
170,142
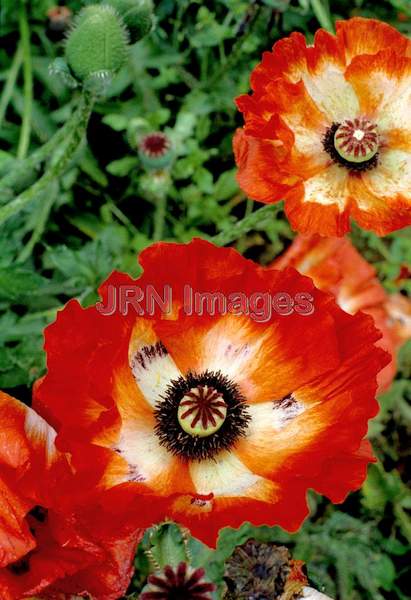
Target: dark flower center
202,411
155,144
353,144
200,415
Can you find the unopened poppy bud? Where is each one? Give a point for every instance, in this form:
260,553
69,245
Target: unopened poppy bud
96,47
154,184
155,150
137,16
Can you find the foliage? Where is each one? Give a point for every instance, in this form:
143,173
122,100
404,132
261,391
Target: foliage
105,208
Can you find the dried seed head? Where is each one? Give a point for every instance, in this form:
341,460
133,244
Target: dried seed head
263,571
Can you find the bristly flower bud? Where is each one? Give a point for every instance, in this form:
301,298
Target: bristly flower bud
262,571
183,582
137,15
155,151
97,45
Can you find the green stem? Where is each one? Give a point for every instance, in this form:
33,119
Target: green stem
25,132
11,81
249,207
20,170
56,170
242,243
255,220
44,211
160,216
121,216
322,15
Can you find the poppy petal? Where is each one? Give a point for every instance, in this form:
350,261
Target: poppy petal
369,36
382,197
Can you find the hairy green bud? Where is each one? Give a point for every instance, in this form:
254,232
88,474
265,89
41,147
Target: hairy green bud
137,16
96,47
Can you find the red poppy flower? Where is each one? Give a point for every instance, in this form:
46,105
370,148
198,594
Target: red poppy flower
214,416
46,546
336,266
328,129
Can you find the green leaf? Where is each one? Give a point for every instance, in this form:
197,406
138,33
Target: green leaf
116,121
17,283
89,165
123,166
226,186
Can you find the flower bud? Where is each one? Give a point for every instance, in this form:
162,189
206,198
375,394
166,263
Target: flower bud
155,150
137,16
96,47
154,184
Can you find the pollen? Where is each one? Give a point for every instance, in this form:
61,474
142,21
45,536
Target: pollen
202,411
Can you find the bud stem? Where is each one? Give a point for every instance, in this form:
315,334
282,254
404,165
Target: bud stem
12,75
38,156
159,216
255,220
78,124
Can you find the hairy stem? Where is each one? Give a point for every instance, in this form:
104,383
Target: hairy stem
160,216
50,194
55,171
25,131
41,154
255,220
11,81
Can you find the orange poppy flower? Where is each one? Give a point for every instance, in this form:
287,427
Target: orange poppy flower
47,547
336,266
214,414
328,129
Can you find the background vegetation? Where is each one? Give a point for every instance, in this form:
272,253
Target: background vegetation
182,79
